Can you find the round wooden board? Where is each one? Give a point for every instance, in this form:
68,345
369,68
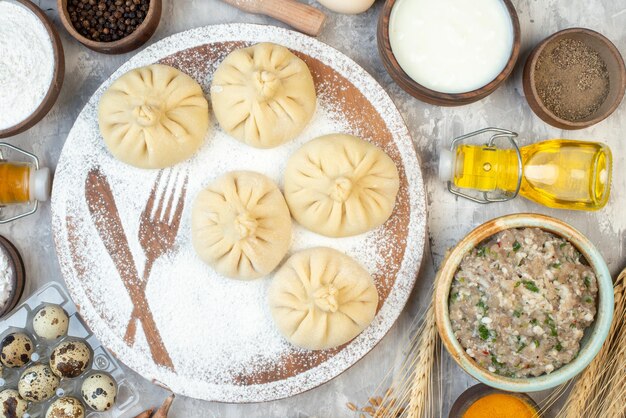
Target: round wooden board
203,335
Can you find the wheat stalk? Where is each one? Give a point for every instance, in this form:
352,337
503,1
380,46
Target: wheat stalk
601,385
420,399
414,392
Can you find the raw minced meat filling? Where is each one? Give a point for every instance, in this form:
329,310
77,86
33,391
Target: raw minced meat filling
520,302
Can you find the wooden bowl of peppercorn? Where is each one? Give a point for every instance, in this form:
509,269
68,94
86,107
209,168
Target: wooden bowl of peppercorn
111,26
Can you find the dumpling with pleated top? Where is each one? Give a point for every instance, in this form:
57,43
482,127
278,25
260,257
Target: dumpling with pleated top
340,185
153,117
321,298
241,225
263,95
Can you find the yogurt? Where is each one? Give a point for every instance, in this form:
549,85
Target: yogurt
451,46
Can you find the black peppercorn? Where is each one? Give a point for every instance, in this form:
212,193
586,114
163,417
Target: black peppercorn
107,20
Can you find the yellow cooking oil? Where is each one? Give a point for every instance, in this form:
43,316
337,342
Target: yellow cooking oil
557,173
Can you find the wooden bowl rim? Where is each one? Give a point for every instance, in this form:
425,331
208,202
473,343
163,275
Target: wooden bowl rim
19,276
154,11
479,391
529,73
57,76
451,98
598,330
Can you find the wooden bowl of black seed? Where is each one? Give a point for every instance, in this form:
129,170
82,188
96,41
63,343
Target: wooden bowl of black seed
111,26
575,78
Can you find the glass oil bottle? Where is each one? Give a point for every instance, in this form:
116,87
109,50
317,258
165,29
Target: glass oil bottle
557,173
23,184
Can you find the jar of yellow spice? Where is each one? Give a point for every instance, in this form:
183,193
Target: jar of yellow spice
481,401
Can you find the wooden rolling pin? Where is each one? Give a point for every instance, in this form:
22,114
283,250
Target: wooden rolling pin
302,17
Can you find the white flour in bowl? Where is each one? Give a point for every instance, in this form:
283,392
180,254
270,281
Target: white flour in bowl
6,279
26,63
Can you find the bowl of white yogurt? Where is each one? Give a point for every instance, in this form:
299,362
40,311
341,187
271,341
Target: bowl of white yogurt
32,66
449,52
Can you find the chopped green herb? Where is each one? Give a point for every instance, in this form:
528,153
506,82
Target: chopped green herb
530,285
550,322
483,332
536,342
516,246
495,362
517,284
462,279
556,265
588,299
481,251
558,346
534,321
482,306
521,347
508,254
587,281
563,244
454,297
517,313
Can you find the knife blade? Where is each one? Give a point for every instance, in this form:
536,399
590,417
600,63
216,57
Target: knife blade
105,215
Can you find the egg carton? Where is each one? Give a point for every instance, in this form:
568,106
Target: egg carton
21,320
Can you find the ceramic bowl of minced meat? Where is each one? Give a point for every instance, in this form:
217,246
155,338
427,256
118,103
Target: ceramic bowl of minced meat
524,302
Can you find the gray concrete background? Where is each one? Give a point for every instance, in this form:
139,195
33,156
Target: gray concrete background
431,127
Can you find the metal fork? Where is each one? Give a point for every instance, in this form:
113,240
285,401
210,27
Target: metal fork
157,231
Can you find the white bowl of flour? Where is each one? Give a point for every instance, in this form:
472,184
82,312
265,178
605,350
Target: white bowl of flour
31,68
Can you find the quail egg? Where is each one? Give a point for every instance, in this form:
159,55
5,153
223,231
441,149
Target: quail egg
99,392
15,349
11,404
70,358
38,383
51,322
66,407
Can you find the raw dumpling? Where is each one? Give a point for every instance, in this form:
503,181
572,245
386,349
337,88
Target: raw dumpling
241,225
322,298
153,117
263,95
340,185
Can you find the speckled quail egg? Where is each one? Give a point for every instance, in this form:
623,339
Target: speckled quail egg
11,404
70,358
51,322
15,349
99,392
38,383
66,407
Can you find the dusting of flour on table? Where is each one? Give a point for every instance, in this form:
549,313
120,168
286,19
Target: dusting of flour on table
6,279
26,63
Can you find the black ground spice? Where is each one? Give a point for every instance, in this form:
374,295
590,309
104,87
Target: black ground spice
107,20
572,79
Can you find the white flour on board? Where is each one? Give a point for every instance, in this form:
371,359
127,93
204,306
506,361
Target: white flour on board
215,328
